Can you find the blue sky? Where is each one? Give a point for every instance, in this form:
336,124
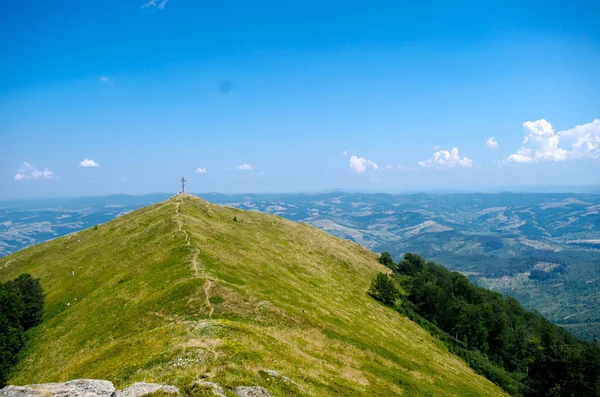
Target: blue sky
103,97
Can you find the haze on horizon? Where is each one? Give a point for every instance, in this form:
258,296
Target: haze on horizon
127,96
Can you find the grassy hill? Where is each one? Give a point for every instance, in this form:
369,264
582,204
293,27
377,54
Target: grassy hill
178,291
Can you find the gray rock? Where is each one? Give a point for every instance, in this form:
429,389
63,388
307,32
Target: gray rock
216,389
141,388
73,388
251,391
276,374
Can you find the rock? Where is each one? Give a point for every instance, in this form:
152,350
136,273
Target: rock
251,391
216,389
141,388
276,374
73,388
84,388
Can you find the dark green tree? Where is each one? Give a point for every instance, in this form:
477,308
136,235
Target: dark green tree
386,259
384,290
32,297
411,264
11,332
21,307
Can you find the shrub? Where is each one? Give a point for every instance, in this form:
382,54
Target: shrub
384,290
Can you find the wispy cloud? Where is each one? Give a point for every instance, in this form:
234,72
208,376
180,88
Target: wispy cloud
492,144
446,159
201,171
154,4
543,143
123,179
88,163
27,171
244,167
344,153
106,80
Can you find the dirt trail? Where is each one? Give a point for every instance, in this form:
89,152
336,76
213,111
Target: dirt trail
207,295
195,262
179,221
178,218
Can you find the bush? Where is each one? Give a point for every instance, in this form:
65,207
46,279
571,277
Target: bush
384,290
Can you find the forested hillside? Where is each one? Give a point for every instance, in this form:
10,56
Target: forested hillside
518,349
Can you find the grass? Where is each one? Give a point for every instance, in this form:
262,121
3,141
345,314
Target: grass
285,296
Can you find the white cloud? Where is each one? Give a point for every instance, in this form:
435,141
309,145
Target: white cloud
387,167
492,144
344,153
106,80
543,143
244,167
87,163
436,147
201,171
446,159
27,171
360,164
155,4
123,179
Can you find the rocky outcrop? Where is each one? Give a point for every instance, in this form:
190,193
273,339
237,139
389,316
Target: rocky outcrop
104,388
216,389
251,391
141,388
73,388
84,388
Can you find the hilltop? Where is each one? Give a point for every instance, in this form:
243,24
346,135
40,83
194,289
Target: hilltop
185,290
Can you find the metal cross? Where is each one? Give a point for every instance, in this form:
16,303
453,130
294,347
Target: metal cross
183,181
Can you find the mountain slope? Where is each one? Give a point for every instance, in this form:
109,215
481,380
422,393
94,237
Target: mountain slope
179,290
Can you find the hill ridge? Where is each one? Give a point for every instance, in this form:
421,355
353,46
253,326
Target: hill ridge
269,294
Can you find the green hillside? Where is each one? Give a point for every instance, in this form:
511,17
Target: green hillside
179,291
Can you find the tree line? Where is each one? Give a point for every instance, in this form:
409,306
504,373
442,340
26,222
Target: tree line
21,308
517,349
